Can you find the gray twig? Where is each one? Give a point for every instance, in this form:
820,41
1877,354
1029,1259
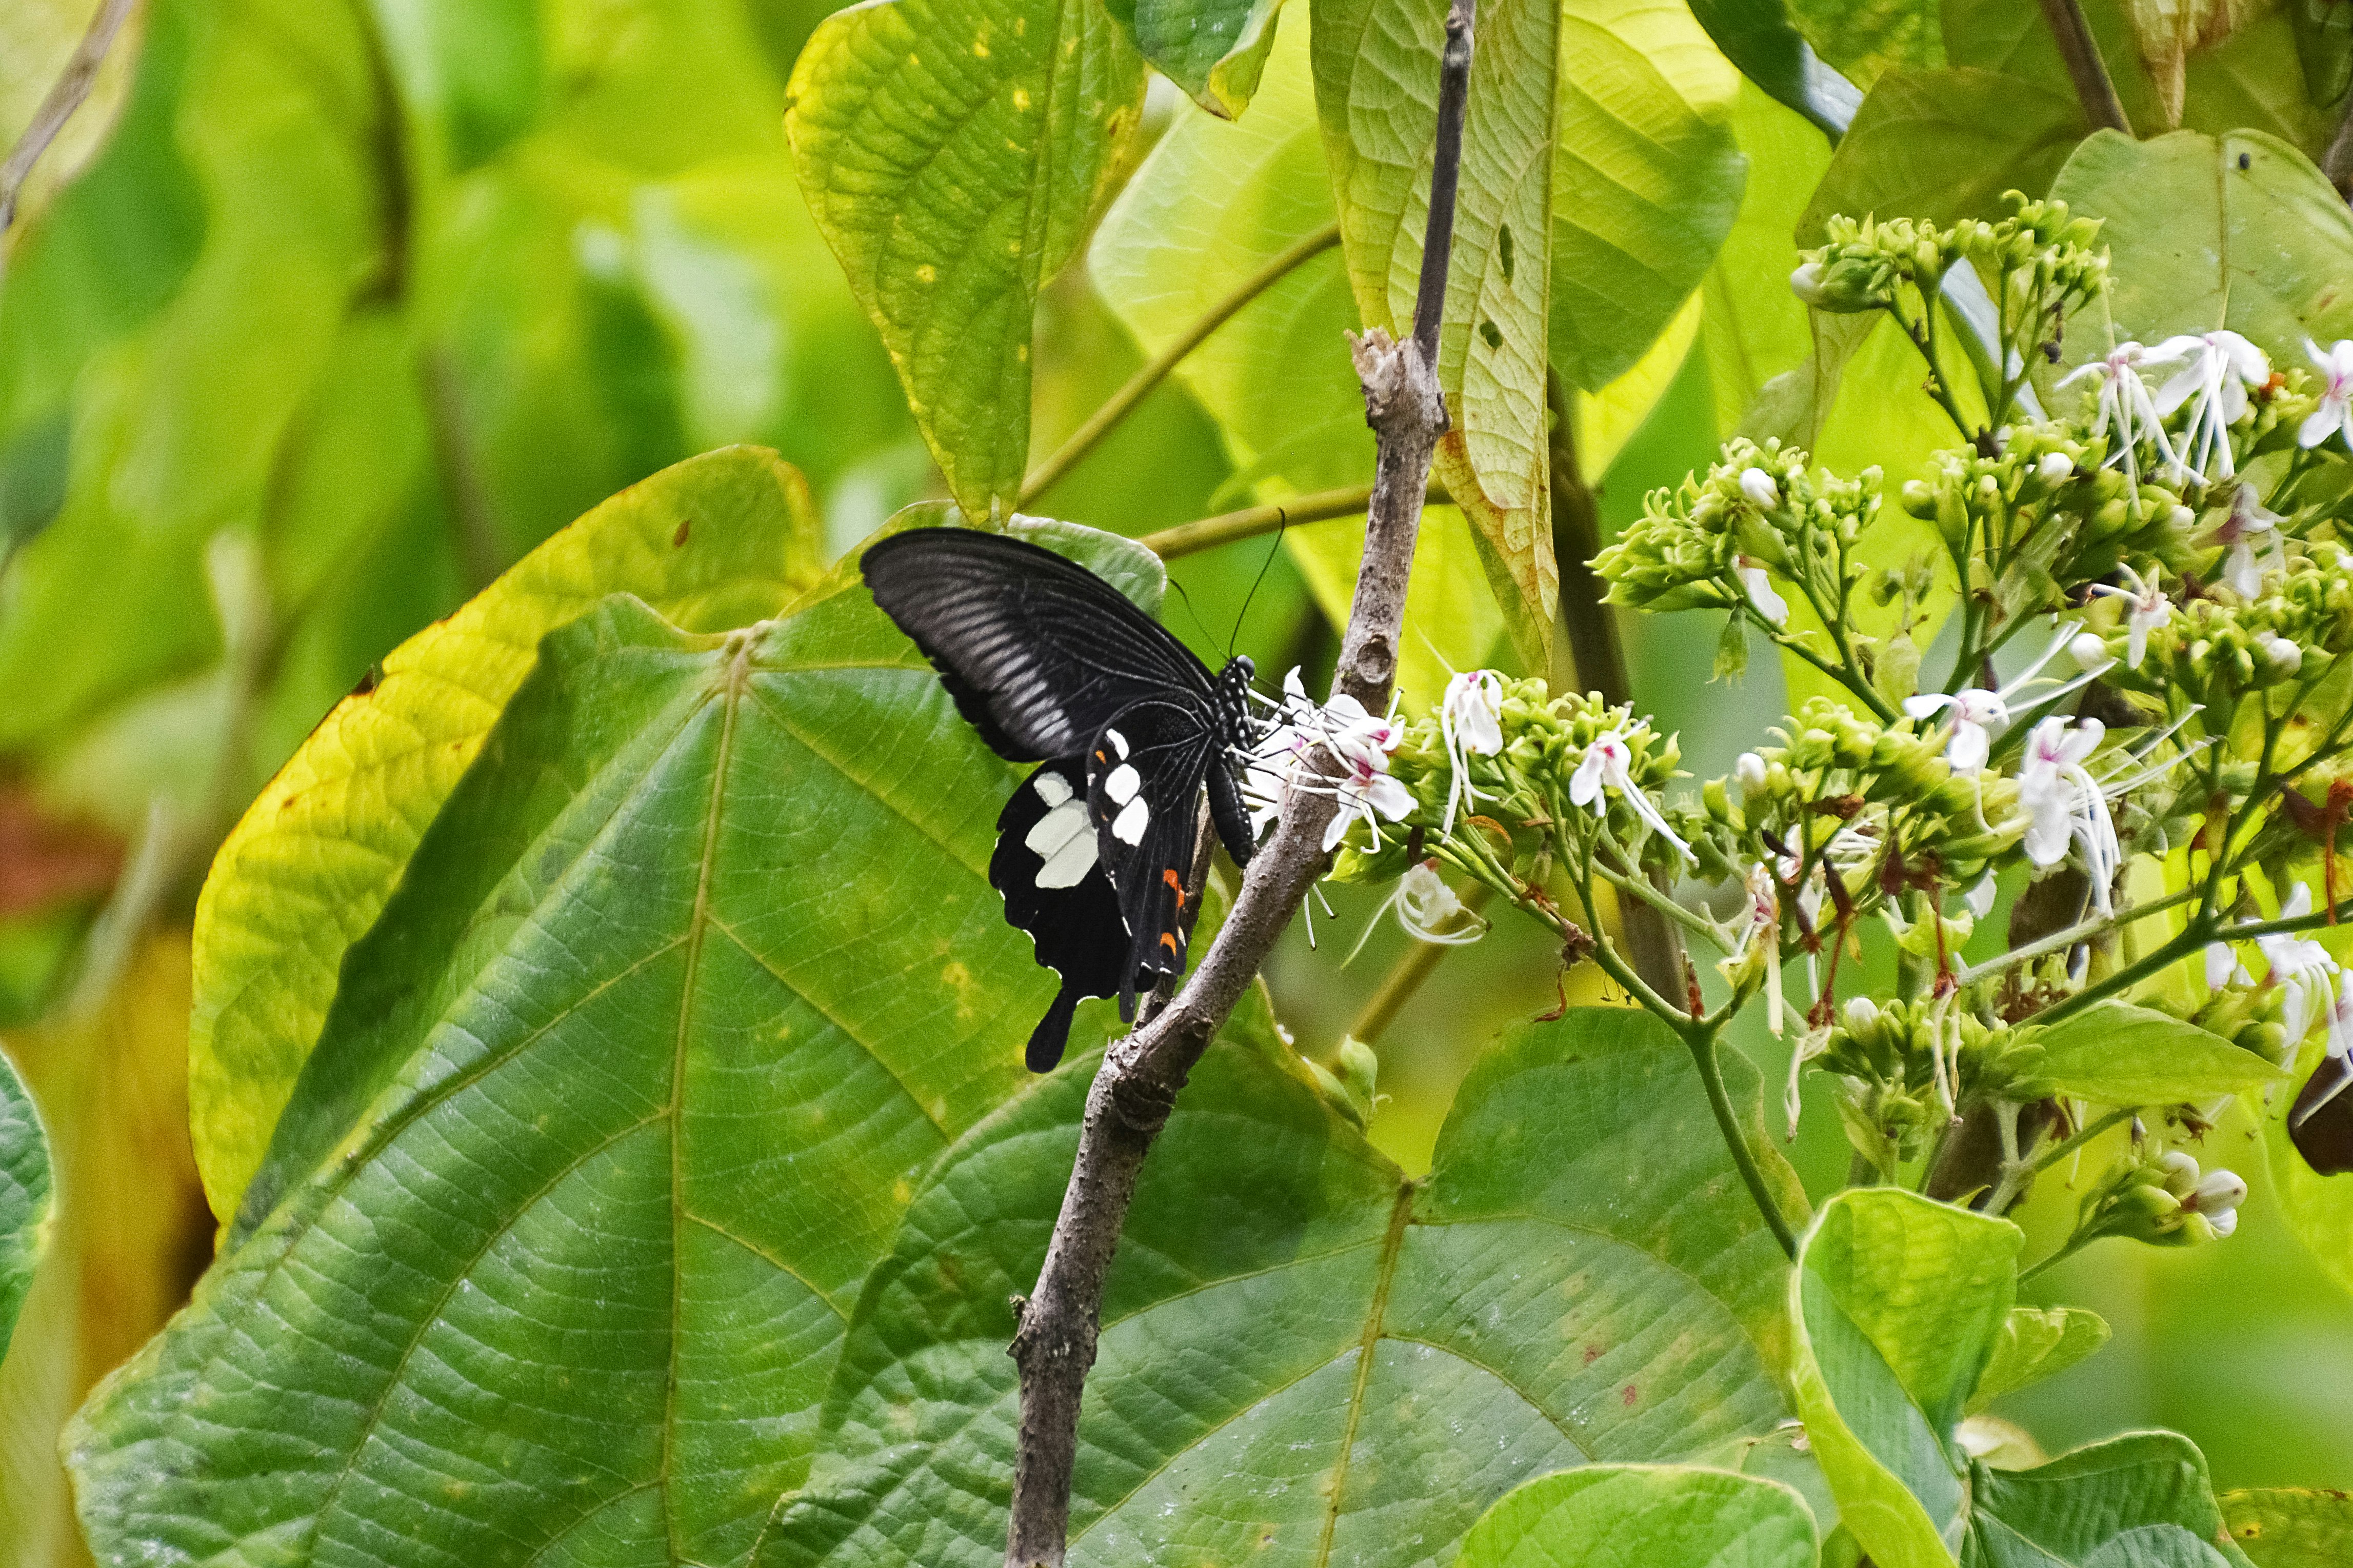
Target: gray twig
65,95
1136,1087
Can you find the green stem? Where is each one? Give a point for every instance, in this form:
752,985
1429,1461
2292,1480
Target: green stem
1400,986
2083,931
1123,402
1702,1039
2191,937
2077,1140
1316,506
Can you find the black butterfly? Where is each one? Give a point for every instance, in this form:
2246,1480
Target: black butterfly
1053,665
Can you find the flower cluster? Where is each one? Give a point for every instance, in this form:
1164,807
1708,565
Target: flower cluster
2042,258
2219,647
2046,512
1761,517
1506,779
1854,809
2164,1199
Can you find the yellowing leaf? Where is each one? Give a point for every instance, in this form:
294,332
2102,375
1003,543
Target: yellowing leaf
715,543
128,1233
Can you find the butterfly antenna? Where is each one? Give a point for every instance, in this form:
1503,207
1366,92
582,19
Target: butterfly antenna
1282,523
1194,614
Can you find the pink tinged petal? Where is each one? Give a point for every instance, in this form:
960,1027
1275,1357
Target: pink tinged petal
1968,749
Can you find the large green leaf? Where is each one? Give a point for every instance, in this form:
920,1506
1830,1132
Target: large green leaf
618,1099
714,543
1644,1516
2239,231
2117,1054
1866,40
1759,37
1306,1356
1945,145
1897,1301
955,154
1214,49
1213,205
1756,329
1903,1312
1599,178
2014,37
2281,1526
24,1196
2036,1342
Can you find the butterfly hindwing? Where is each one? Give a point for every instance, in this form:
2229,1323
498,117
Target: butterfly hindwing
1145,775
1038,652
1046,868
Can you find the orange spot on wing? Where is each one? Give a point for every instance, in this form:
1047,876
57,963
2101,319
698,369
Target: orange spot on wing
1168,875
1169,941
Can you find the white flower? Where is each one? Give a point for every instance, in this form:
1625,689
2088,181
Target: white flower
2217,1195
1979,899
1759,584
1749,768
2247,523
1977,711
1607,763
2335,410
1360,742
2150,610
1428,909
1470,723
1367,791
2223,365
2284,657
2303,970
2126,406
2089,652
2065,804
1758,487
2224,968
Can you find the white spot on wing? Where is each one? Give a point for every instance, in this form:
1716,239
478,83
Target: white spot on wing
1065,842
1118,742
1052,788
1128,825
1122,784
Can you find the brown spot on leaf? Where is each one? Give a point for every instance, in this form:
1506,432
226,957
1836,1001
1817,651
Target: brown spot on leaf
1629,1396
1592,1354
678,540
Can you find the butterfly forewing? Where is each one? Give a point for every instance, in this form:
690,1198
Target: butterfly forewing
1038,652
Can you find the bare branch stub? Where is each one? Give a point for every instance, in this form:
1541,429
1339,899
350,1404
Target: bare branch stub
1136,1087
